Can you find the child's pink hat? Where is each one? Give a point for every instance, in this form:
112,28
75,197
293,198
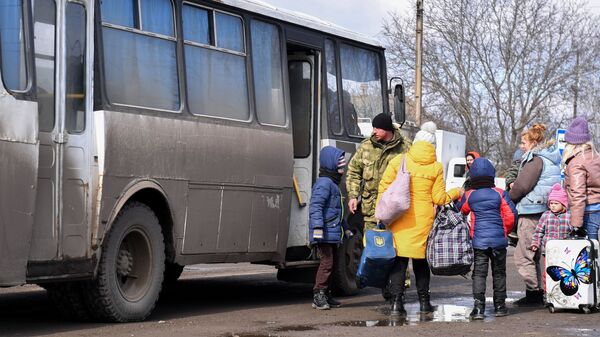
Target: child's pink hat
558,194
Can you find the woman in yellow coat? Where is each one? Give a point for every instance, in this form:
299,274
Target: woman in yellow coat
427,189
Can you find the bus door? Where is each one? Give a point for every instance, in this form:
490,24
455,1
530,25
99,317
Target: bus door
63,65
18,144
303,86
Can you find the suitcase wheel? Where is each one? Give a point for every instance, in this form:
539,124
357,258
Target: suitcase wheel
586,310
551,308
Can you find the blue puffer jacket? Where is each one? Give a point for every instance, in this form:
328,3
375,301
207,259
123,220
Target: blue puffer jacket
493,213
325,210
536,201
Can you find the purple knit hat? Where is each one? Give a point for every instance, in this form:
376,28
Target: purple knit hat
578,132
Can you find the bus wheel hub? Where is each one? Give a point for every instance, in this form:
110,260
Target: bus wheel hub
124,263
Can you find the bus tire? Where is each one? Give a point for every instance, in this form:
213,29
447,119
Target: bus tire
68,300
344,271
131,268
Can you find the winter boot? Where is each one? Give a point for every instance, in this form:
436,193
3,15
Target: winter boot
500,308
331,301
320,300
532,298
478,312
398,306
424,303
513,238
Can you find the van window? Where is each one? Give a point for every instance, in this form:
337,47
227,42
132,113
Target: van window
459,170
333,107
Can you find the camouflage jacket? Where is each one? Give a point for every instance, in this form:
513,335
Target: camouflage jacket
511,173
368,164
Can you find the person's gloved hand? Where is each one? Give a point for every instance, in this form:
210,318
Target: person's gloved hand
348,233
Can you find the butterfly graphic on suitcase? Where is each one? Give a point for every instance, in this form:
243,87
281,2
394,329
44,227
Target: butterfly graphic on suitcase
570,278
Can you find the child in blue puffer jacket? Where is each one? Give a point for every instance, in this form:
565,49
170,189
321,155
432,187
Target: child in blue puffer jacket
493,215
326,222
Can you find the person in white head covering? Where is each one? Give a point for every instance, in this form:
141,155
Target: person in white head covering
427,133
413,226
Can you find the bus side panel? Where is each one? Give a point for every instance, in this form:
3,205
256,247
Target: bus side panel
18,180
239,179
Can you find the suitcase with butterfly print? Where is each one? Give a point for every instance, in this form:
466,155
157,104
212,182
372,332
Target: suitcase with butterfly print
571,268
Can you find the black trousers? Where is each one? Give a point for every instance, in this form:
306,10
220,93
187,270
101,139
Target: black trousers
480,272
398,275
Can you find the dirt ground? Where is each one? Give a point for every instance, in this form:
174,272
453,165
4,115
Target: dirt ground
247,301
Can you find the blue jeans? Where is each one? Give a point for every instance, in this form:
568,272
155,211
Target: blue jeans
591,223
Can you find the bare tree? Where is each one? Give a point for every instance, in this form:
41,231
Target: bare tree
493,67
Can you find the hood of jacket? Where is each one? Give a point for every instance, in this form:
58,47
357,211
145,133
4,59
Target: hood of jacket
422,153
329,158
551,153
482,167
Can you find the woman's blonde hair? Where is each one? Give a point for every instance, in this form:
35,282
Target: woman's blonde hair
573,149
536,133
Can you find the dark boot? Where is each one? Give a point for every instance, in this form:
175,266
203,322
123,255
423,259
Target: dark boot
478,312
500,308
513,238
532,298
424,303
331,301
398,306
320,300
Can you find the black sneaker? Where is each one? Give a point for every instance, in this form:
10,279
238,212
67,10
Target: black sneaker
320,300
333,303
500,310
478,312
532,298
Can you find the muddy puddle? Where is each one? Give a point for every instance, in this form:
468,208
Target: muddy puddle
456,309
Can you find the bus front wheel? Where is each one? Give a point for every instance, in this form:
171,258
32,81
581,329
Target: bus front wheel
130,273
344,273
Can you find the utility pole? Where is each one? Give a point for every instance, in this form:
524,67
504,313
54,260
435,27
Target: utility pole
576,85
419,63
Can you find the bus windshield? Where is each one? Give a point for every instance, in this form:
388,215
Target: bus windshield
361,83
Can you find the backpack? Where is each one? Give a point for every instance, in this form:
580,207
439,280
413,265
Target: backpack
377,258
449,246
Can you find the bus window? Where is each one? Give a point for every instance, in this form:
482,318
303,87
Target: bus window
216,79
229,32
120,12
333,107
268,83
44,30
301,104
75,60
361,84
12,45
157,17
140,68
196,25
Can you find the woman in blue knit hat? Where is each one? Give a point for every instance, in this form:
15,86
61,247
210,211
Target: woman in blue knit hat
582,177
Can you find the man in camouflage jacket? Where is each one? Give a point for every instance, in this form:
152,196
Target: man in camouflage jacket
369,163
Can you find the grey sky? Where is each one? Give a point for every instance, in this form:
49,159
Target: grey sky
365,17
361,16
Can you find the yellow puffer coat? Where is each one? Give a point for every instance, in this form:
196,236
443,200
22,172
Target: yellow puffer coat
427,189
